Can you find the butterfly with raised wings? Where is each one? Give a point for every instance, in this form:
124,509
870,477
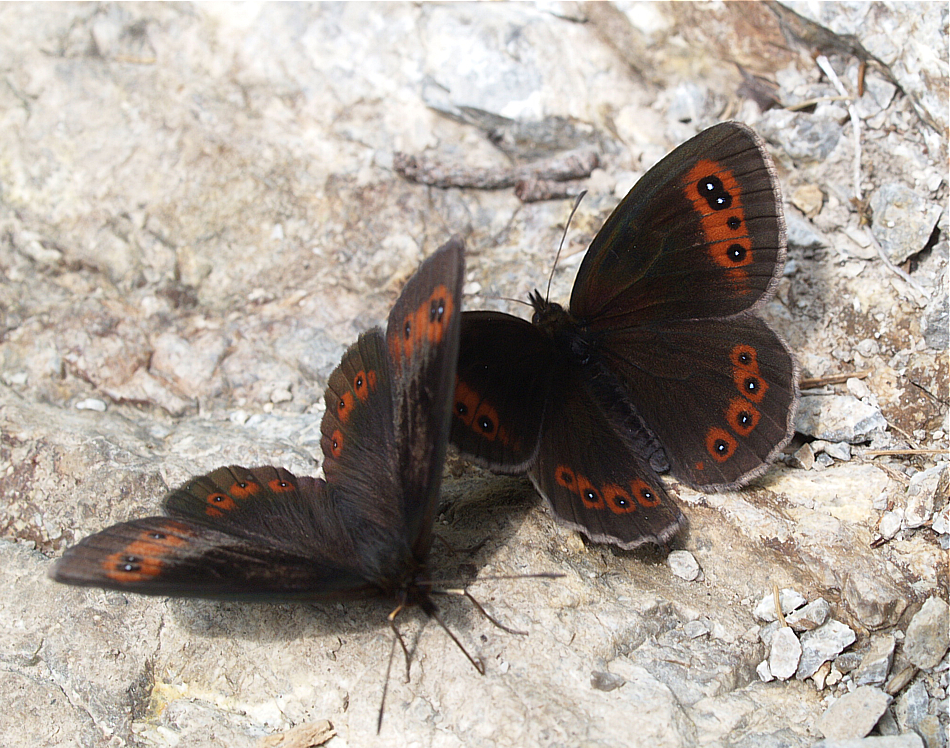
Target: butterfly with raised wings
658,364
363,531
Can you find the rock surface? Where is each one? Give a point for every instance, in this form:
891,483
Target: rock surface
200,212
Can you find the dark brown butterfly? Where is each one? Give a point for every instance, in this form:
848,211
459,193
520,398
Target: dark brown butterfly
658,364
265,534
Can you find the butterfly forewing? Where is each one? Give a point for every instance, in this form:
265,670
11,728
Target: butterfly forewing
700,235
422,338
171,556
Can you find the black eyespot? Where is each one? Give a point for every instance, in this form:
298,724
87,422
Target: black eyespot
359,382
721,447
219,497
751,385
591,496
647,495
242,484
737,253
744,358
715,194
283,484
621,501
157,535
436,310
486,423
461,408
407,330
129,567
733,222
745,418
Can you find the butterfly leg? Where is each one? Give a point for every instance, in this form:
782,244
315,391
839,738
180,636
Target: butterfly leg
465,593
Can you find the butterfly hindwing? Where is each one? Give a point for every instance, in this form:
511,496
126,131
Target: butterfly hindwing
719,394
358,437
502,384
700,235
594,478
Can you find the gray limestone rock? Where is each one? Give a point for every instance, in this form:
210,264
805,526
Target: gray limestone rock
928,635
822,644
838,418
854,714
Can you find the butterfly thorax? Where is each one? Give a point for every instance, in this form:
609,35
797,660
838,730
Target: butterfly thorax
566,332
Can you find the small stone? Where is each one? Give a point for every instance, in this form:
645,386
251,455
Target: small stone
804,457
903,220
838,418
824,460
890,524
684,565
911,706
922,495
91,403
926,641
764,673
839,450
933,733
785,653
809,617
789,600
876,663
820,675
834,677
875,601
854,714
848,661
281,394
821,645
857,388
695,629
808,198
604,681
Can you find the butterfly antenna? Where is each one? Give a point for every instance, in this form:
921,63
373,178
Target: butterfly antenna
577,202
